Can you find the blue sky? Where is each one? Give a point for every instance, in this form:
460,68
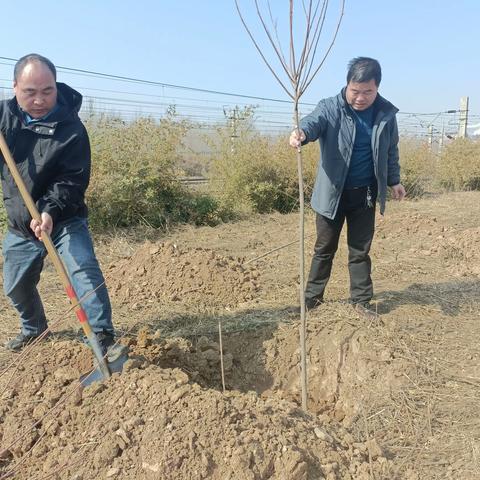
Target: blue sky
428,49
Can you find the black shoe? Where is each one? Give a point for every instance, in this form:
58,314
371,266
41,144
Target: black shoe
106,340
312,303
116,354
20,341
366,310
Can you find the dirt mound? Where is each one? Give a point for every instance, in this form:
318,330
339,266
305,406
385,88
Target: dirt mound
159,271
409,382
419,224
152,423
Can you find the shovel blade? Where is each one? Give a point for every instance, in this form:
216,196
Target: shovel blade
94,376
116,357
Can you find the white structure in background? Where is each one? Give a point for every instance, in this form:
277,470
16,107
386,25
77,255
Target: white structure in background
476,129
462,126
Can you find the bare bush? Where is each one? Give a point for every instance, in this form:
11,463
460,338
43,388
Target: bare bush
260,174
417,164
459,166
135,178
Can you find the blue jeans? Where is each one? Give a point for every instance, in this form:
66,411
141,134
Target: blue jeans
23,263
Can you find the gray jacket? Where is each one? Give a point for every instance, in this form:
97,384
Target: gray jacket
332,124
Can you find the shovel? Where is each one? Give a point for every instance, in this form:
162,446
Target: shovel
117,354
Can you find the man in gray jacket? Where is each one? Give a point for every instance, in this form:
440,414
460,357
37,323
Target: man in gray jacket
358,135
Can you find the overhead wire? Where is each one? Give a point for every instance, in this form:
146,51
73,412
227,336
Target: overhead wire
214,110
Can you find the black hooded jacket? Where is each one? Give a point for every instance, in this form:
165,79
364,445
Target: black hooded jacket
53,158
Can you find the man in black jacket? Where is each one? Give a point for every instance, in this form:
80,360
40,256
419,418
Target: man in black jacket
52,151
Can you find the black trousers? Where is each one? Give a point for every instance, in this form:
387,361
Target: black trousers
359,213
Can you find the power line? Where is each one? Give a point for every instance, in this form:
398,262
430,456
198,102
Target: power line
267,116
161,84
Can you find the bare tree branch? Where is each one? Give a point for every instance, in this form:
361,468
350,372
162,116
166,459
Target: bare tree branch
272,42
328,49
293,66
261,53
310,58
311,19
307,13
274,24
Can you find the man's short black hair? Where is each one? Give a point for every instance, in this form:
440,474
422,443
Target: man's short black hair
364,69
32,57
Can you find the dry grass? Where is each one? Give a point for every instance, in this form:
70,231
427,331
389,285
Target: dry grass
428,420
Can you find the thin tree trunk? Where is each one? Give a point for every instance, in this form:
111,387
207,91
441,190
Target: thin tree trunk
300,72
301,235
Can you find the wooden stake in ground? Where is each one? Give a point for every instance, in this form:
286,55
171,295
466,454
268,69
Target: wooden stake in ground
299,69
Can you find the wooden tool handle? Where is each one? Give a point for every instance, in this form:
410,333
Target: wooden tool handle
55,257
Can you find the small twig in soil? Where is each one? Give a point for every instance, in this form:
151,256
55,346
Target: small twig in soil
222,370
275,250
365,421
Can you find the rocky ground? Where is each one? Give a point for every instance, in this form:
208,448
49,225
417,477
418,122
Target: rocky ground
390,399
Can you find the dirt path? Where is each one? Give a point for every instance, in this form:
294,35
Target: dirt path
396,399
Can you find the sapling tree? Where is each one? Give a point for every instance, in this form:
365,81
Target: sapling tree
294,74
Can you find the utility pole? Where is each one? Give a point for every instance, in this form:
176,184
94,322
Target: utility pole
430,137
463,120
233,115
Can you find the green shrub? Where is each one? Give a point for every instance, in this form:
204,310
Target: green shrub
203,209
459,166
134,174
258,173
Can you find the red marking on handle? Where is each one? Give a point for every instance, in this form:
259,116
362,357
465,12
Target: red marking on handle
71,292
81,315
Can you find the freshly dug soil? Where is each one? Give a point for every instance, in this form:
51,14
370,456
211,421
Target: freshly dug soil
164,270
152,422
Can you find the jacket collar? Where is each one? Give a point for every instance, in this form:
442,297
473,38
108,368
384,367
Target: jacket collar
381,105
69,102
